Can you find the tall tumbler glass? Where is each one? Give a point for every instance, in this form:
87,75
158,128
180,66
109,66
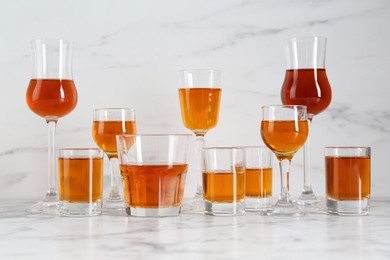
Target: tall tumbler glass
306,83
51,94
258,178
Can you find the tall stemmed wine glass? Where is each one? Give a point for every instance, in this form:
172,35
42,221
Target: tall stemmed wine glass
51,94
284,130
200,95
306,83
107,124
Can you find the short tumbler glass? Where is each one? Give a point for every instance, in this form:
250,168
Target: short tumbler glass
348,173
80,181
224,180
153,169
258,178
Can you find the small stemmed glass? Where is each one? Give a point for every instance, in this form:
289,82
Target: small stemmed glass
284,129
199,101
107,124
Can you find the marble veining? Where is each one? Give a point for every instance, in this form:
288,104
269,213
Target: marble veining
194,236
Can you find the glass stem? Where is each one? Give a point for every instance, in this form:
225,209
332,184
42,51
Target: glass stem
307,189
114,180
200,143
52,192
284,166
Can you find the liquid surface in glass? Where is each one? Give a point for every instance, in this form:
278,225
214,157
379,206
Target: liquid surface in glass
75,179
51,97
258,182
200,108
347,178
153,185
223,186
309,87
284,138
104,133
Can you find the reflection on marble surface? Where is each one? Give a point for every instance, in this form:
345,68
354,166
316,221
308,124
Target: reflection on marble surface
126,54
315,236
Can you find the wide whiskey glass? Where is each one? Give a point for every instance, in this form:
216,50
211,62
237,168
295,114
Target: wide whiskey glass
154,169
51,94
200,96
284,129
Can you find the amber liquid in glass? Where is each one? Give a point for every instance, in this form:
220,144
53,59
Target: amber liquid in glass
51,97
74,179
309,87
258,182
347,178
284,138
104,133
153,186
200,108
223,187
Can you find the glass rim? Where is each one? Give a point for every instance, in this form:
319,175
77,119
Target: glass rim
347,147
307,38
135,135
223,148
113,108
253,146
284,106
51,40
200,70
80,149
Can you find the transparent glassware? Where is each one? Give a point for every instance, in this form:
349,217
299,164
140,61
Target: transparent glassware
200,96
51,94
306,83
154,169
107,124
284,129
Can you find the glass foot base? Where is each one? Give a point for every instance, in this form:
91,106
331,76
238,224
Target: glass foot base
194,205
224,209
153,212
254,204
348,207
80,209
46,206
285,209
307,198
113,205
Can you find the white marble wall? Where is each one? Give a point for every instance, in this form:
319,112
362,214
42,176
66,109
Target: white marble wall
127,54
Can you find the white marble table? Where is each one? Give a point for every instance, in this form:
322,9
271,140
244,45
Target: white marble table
314,236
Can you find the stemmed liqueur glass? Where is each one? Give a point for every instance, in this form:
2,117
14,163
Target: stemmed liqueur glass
200,95
107,124
306,83
51,94
284,130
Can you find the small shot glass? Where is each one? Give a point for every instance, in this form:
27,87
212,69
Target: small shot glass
258,178
80,181
224,181
348,174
